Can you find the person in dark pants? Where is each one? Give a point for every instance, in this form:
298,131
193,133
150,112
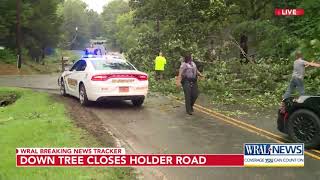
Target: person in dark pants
188,76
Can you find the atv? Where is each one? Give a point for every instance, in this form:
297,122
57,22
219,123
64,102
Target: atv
300,119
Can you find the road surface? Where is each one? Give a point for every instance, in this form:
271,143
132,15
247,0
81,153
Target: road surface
162,126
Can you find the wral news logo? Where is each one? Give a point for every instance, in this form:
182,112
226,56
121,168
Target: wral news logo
273,149
273,155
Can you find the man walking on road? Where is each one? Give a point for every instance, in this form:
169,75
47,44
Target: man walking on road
160,63
188,76
297,75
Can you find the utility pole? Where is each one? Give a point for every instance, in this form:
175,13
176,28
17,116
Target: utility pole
18,33
65,46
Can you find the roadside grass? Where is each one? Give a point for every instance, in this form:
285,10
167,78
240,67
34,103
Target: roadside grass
35,120
50,64
11,69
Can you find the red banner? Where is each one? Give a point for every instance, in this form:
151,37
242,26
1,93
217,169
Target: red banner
164,160
289,12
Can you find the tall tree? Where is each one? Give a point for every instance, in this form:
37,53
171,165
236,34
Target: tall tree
109,16
246,12
74,14
127,33
187,22
7,19
95,24
42,28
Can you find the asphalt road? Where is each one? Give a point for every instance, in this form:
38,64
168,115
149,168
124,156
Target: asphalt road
161,126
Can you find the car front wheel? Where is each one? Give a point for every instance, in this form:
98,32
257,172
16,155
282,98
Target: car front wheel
83,96
304,127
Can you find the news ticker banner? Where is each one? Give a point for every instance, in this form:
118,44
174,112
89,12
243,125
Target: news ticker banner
254,155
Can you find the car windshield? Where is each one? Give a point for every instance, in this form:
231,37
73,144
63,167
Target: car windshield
112,65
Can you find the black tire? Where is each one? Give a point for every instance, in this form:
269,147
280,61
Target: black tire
83,96
62,88
304,127
137,102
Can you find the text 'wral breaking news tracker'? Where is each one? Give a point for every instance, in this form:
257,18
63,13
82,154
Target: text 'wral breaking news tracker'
55,157
273,155
255,155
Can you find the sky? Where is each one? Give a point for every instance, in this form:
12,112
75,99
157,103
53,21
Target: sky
96,5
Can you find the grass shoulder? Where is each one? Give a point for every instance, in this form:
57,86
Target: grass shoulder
36,120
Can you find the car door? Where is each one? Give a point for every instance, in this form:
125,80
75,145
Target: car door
69,81
77,76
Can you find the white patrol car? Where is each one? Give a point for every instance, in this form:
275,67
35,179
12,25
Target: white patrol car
95,78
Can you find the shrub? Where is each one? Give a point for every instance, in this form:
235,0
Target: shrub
7,56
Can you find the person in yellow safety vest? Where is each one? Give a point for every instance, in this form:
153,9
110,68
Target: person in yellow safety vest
160,63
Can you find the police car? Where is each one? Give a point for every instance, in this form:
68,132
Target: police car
110,77
300,119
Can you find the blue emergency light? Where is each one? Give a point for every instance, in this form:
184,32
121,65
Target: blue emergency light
92,51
